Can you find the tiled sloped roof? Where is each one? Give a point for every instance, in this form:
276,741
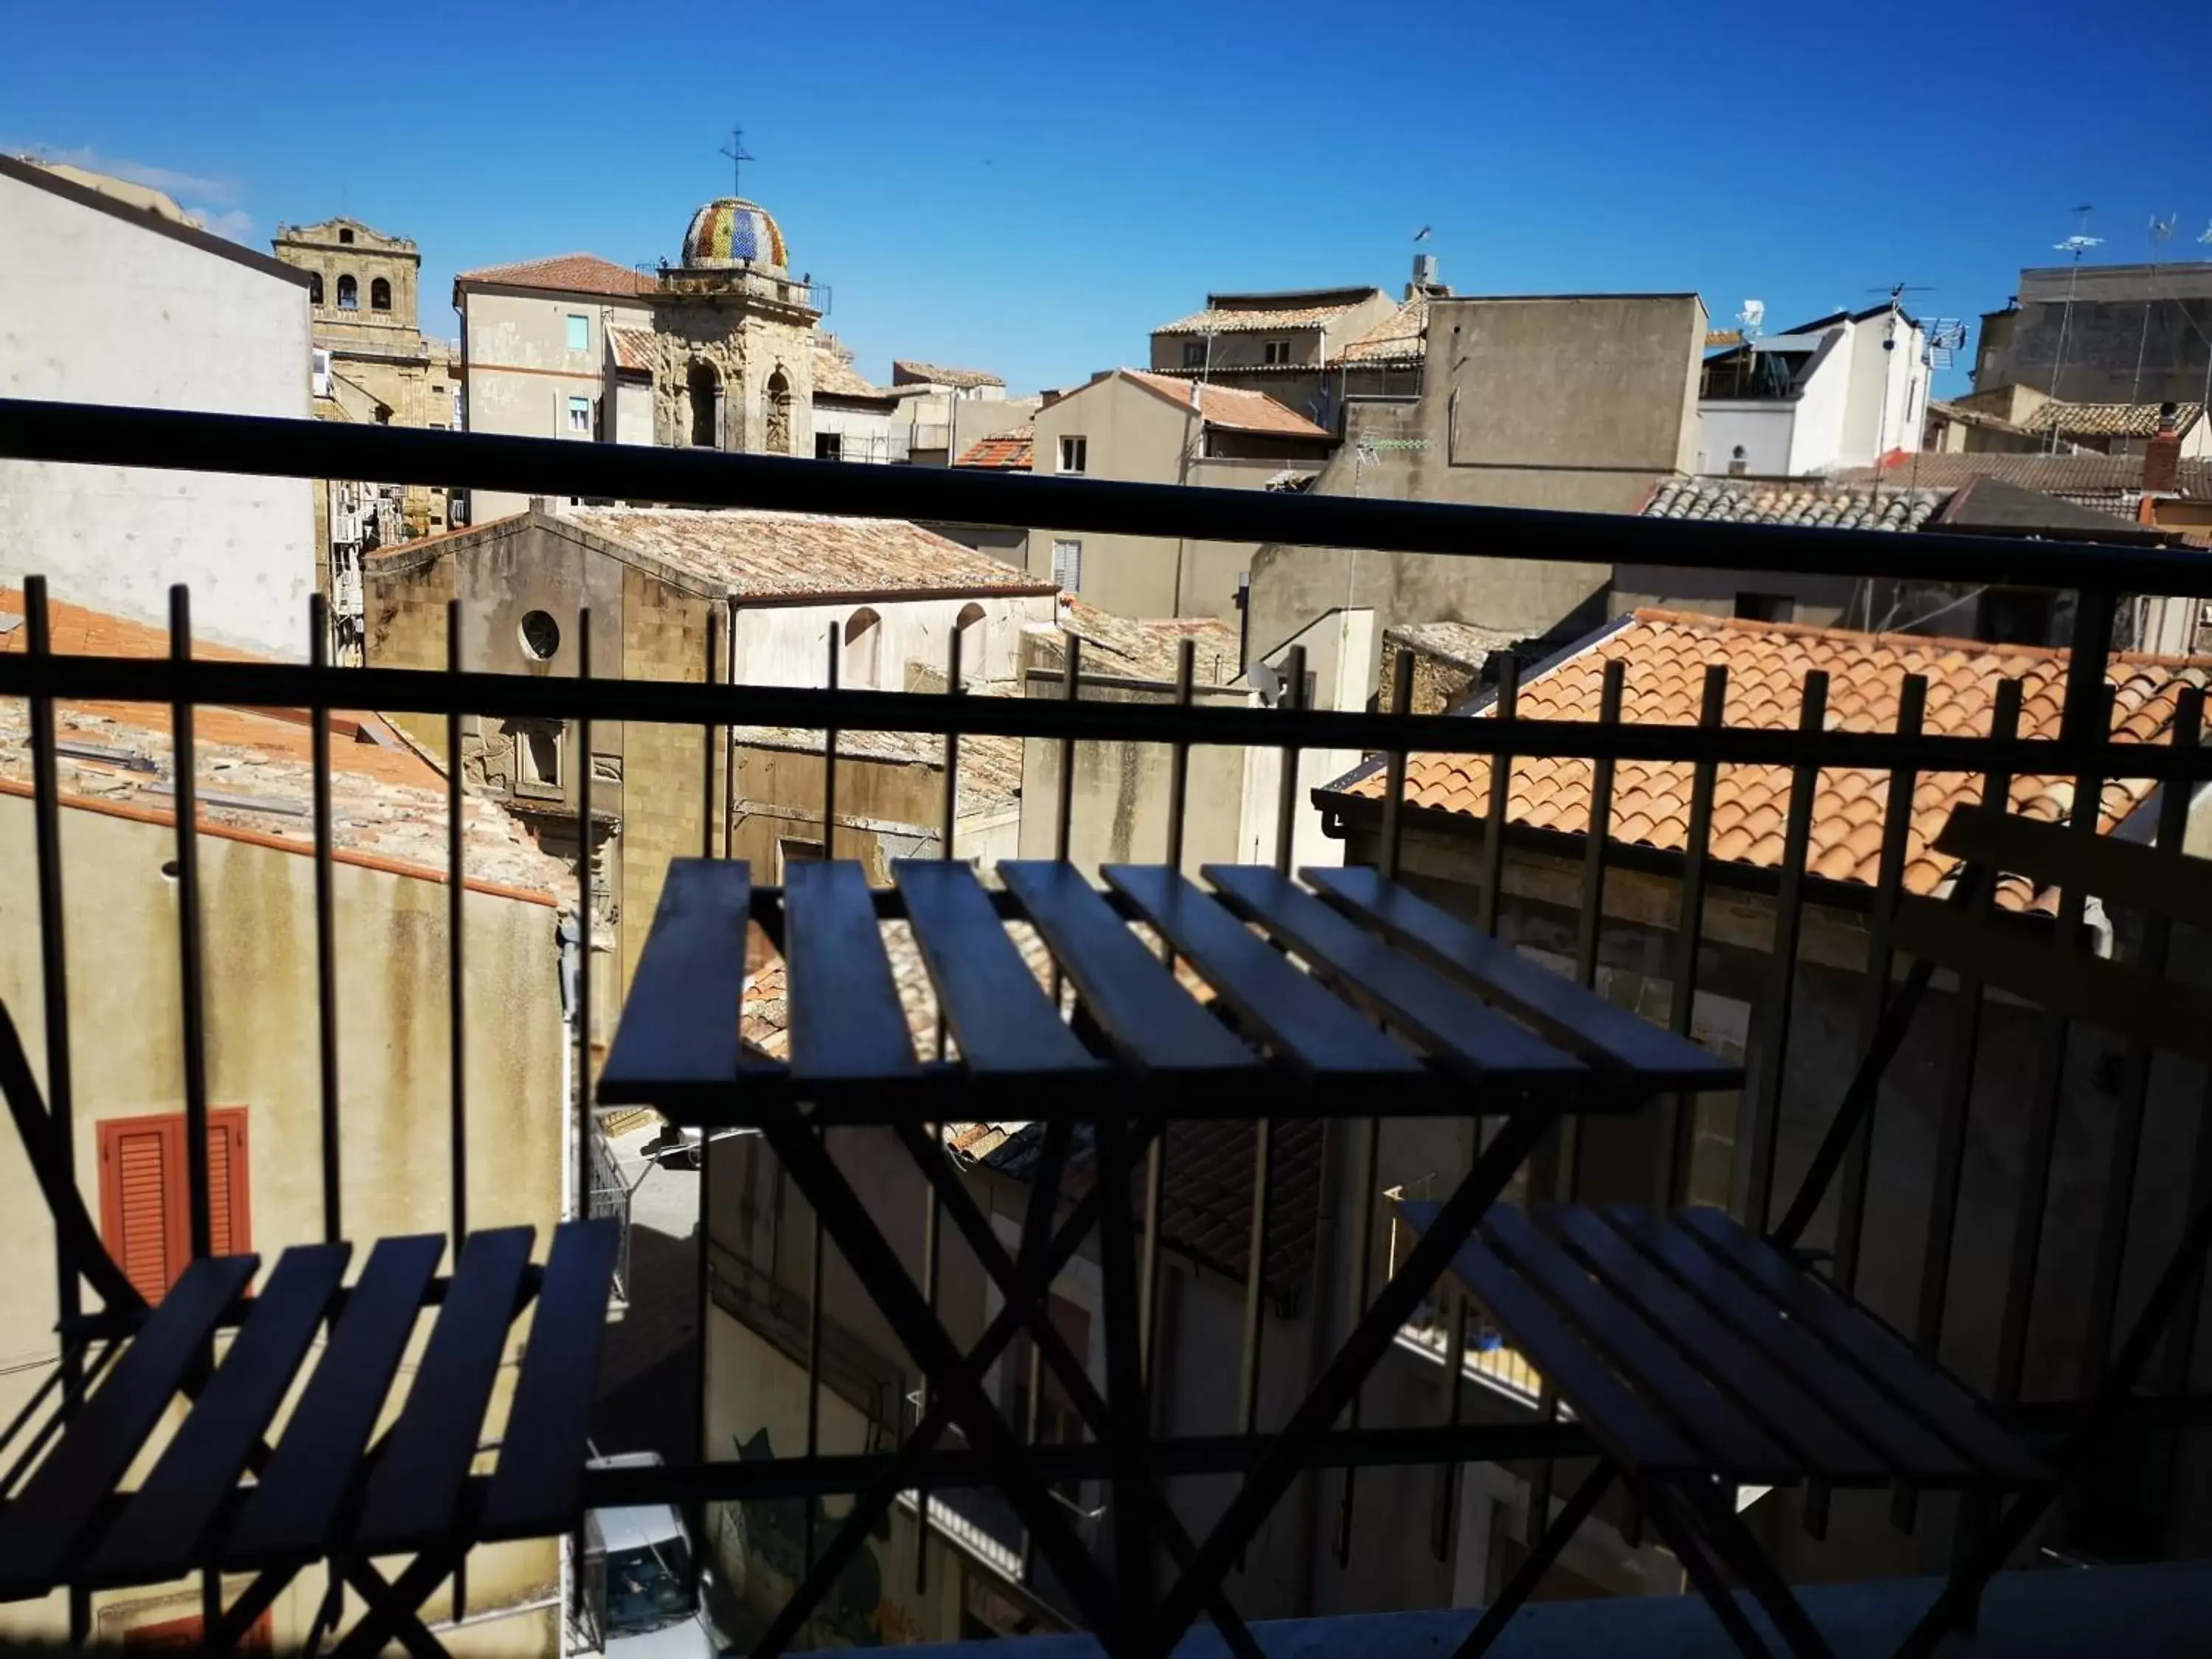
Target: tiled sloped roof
2110,420
1964,416
1233,408
1463,644
912,372
1810,503
2091,480
568,273
255,770
759,554
1237,320
1666,654
1401,337
990,766
633,349
1137,649
1008,452
835,376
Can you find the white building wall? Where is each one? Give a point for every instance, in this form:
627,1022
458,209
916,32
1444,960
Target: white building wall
1822,410
1340,650
522,374
866,432
100,309
787,644
1762,428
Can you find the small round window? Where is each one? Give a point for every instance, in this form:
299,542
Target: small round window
541,634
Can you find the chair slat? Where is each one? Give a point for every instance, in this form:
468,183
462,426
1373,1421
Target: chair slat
1302,1021
413,1492
846,1021
1154,1024
2160,883
1735,1446
679,1026
2119,996
1931,1391
1584,1022
1006,1025
536,1489
295,1505
1622,1422
45,1524
1476,1040
1914,1453
158,1534
1823,1443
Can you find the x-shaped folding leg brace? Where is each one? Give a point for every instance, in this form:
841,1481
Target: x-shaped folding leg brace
1122,1425
959,1377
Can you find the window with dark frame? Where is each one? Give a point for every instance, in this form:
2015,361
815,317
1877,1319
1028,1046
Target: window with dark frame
1075,454
829,445
1276,351
379,294
349,294
1194,354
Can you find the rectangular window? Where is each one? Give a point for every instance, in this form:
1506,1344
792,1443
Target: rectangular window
579,414
579,331
794,849
1766,607
829,445
1075,454
1276,351
145,1195
1068,566
1194,354
537,759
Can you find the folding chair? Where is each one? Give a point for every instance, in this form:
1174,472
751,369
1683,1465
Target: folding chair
323,1491
1704,1360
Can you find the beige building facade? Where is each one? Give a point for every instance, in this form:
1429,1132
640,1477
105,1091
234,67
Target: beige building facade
126,1011
1150,428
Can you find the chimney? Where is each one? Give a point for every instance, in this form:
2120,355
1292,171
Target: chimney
2162,456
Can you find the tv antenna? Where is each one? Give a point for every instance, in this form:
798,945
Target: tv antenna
738,156
2076,244
1944,338
1752,317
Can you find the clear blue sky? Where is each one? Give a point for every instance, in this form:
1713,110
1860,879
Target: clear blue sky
1032,188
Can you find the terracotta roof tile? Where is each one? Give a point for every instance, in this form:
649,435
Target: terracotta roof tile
1139,648
1248,320
633,349
908,371
759,554
2108,482
833,373
1008,452
1810,503
566,273
1230,408
1402,337
1666,653
2110,420
255,769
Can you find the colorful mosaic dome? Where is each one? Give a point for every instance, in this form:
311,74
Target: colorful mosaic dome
729,231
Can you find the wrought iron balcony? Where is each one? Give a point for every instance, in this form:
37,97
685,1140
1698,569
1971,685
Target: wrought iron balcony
2021,1198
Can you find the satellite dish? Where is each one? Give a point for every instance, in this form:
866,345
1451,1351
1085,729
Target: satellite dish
1266,681
1752,315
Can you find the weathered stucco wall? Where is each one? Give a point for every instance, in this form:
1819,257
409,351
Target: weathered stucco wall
96,308
262,1052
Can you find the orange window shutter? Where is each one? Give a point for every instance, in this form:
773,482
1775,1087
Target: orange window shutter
230,1231
140,1171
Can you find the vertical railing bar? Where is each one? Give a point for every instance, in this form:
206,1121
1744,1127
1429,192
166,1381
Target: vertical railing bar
1495,812
1156,1155
1896,826
1127,1420
53,967
1363,1256
707,791
581,760
326,955
1394,777
2088,718
952,820
830,760
1286,796
1588,935
1781,978
185,765
930,1246
1689,935
1958,1094
1851,1197
1445,1507
456,1000
584,919
1248,1393
2174,801
1063,816
2181,1339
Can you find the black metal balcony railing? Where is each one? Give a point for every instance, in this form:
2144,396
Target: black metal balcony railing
2084,750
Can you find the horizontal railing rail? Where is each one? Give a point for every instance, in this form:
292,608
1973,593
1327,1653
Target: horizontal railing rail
97,435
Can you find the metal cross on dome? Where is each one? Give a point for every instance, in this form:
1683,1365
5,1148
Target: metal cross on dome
738,156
